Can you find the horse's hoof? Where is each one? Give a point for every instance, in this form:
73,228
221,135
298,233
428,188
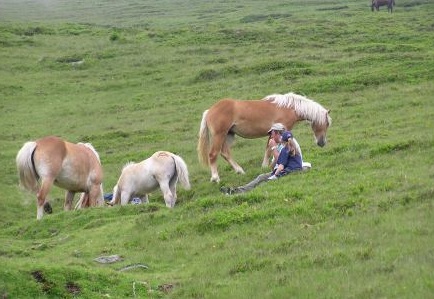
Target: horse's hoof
47,208
215,180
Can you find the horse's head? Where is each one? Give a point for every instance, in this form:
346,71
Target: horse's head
320,129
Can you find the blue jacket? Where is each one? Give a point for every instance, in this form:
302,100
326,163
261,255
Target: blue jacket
290,163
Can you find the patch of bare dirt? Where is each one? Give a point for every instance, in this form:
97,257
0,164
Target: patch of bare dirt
166,288
40,278
73,288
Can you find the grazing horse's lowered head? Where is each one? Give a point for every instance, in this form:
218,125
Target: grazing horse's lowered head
306,109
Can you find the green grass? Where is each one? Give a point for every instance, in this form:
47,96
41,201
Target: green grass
133,77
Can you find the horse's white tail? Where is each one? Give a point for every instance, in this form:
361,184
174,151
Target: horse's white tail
80,201
203,144
25,167
182,171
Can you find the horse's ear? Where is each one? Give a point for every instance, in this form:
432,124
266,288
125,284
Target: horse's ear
328,117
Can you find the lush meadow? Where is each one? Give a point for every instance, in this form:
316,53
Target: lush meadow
133,77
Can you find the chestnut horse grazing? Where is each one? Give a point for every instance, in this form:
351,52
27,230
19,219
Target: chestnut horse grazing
252,119
162,169
73,167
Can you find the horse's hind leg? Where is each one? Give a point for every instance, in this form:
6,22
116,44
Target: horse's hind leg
125,197
172,187
69,196
216,148
167,194
42,195
115,198
226,154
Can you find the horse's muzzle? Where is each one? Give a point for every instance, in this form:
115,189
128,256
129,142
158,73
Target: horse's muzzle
321,142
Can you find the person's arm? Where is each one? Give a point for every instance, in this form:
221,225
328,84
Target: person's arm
279,168
281,162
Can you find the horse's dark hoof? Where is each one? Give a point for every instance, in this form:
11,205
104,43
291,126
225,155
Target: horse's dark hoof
47,208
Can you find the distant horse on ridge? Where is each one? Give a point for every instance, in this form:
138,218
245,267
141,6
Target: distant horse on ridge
377,3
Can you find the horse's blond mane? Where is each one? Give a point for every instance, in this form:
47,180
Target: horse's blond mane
89,146
304,107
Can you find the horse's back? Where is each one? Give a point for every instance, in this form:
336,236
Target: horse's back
51,145
138,178
73,166
49,155
382,2
161,162
221,114
246,118
228,107
163,166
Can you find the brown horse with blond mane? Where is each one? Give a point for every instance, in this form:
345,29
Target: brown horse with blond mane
252,119
73,167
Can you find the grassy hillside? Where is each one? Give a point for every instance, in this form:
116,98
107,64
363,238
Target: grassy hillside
133,77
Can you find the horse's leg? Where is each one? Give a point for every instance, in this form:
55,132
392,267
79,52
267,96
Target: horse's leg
265,159
84,200
42,195
226,154
145,199
95,196
115,198
172,186
69,196
216,147
80,201
167,194
125,197
267,155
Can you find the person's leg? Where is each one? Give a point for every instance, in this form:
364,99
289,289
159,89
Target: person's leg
249,186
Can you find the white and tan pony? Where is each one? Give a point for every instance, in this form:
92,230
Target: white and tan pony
163,169
73,167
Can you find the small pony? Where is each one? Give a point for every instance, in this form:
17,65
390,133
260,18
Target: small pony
162,169
252,119
377,3
73,167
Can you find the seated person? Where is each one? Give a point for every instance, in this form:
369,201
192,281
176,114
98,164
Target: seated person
289,160
274,146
